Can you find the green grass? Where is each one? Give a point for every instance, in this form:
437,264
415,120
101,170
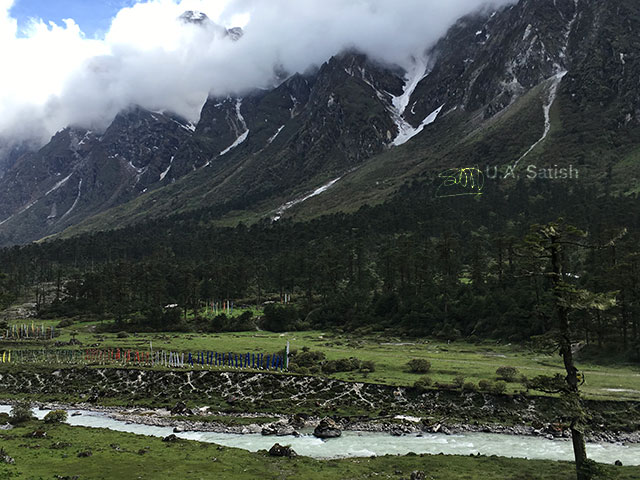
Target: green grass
124,455
475,362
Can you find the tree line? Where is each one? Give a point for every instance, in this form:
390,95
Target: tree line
415,265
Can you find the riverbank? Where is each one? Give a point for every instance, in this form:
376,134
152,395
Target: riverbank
269,395
66,452
203,419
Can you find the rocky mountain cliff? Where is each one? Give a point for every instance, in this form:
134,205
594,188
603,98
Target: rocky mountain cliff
80,173
542,81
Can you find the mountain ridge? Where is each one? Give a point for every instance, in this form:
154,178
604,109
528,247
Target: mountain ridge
503,87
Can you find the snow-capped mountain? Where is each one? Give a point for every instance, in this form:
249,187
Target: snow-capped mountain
540,80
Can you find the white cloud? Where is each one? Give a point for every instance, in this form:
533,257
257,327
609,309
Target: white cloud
55,76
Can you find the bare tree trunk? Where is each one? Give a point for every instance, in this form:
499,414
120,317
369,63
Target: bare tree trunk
577,435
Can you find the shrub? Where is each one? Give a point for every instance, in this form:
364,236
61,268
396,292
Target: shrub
341,365
122,335
469,387
67,322
280,318
499,388
422,384
55,416
419,365
368,366
485,385
21,412
307,358
544,383
458,381
508,374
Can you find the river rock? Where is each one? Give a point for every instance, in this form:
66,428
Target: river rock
170,438
181,409
299,420
418,475
178,429
327,428
282,451
618,463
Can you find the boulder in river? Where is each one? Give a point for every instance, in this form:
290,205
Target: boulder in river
170,438
327,428
282,451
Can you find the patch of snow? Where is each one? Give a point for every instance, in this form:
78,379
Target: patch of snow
399,104
283,208
412,78
138,170
164,174
527,32
85,138
59,184
189,127
479,32
331,101
546,108
292,110
408,133
75,202
242,137
270,141
238,141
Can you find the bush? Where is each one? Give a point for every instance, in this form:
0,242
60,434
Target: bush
67,322
485,385
280,318
122,335
341,365
499,388
419,365
306,358
458,381
21,412
544,383
469,387
55,416
368,366
508,374
422,384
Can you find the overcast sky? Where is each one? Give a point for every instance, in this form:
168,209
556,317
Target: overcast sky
81,61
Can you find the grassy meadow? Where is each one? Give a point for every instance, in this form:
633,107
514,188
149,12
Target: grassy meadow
473,361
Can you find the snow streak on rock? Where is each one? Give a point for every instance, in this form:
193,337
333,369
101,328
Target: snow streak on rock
290,204
75,202
242,136
546,108
405,130
164,174
270,141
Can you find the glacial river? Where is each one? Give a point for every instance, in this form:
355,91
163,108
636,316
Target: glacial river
364,444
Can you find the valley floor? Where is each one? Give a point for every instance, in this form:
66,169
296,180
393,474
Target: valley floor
84,453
